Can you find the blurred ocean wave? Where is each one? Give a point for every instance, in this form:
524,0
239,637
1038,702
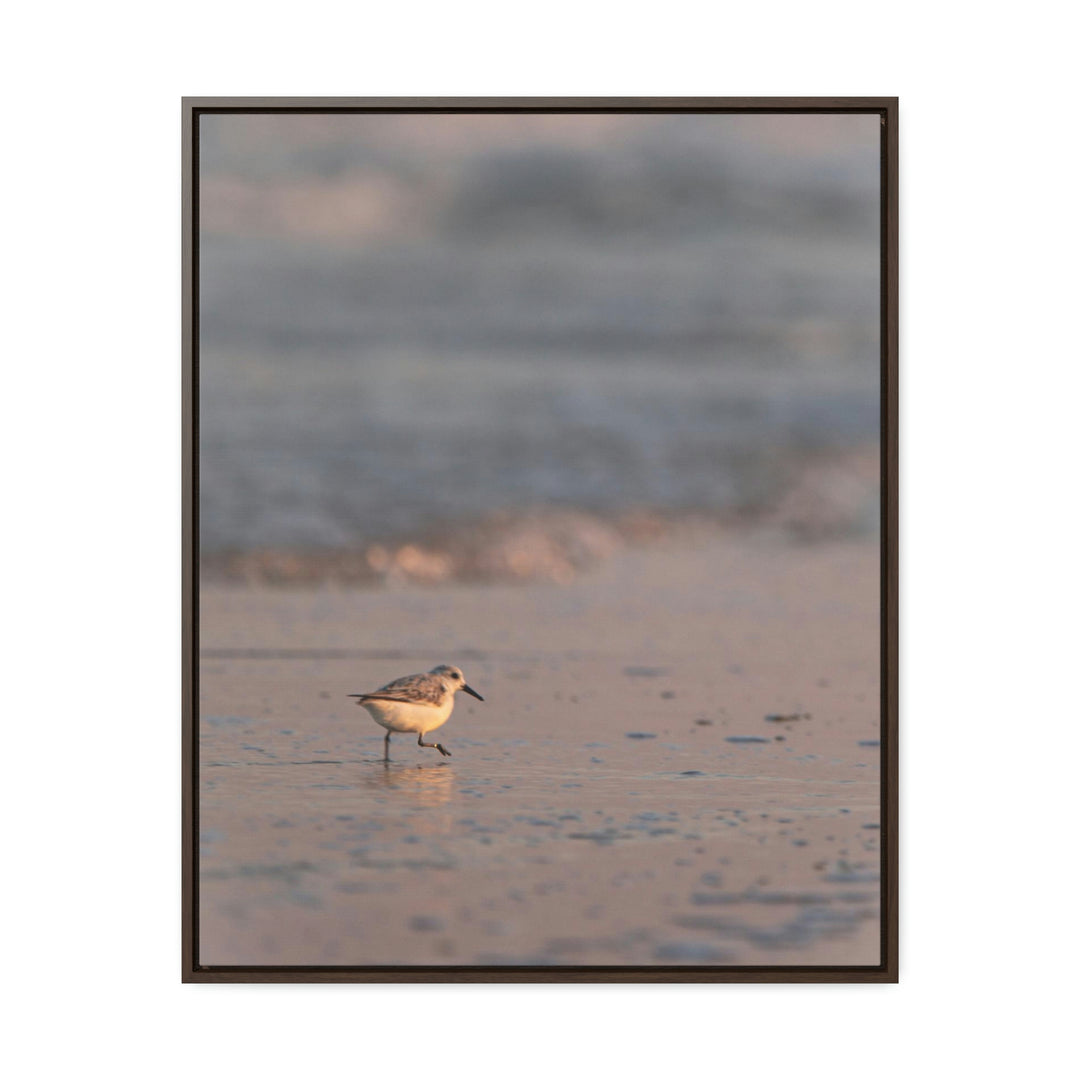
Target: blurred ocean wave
410,326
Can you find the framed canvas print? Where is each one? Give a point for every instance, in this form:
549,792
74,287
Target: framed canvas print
540,540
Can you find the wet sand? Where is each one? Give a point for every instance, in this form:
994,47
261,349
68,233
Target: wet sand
625,794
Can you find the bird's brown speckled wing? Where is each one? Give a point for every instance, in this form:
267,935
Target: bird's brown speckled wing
424,689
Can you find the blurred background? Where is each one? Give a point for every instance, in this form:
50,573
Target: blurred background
489,347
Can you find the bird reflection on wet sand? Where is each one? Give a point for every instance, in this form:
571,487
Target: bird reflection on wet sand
411,785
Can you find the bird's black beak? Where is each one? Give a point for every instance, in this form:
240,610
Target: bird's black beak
470,690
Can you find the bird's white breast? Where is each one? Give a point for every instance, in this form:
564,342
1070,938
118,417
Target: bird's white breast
407,716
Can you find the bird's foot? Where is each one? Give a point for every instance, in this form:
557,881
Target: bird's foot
442,750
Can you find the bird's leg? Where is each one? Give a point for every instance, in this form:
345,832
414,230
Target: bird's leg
438,746
386,747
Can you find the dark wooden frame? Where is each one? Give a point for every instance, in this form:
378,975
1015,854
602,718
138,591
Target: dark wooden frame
888,970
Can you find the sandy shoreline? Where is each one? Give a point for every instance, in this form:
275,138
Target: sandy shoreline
620,797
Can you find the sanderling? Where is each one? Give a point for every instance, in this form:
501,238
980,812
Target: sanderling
419,703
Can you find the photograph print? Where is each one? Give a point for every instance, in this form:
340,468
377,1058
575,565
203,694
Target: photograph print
540,540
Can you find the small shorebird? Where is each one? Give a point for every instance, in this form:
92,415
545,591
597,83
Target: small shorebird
419,703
